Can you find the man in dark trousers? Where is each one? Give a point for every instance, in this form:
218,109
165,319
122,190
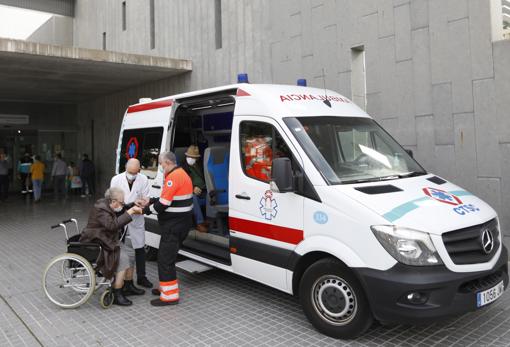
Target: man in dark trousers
24,168
87,175
174,208
4,177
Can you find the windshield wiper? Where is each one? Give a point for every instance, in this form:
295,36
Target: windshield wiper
386,178
412,174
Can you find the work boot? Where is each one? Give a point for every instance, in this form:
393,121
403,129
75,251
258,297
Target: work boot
130,289
120,299
144,282
158,302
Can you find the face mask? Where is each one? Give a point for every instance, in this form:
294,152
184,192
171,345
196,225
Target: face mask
130,177
191,161
117,209
161,169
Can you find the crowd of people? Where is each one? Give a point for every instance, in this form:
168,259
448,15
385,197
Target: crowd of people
64,178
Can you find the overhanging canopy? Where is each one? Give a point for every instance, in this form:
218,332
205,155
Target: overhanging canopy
38,72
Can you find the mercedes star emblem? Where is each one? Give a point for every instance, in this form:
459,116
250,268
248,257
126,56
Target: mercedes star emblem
487,241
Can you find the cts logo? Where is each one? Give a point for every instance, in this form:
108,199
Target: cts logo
442,196
465,209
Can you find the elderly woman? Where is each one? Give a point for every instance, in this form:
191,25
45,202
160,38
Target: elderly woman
105,226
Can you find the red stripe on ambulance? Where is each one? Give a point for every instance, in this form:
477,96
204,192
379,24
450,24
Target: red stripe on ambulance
149,106
270,231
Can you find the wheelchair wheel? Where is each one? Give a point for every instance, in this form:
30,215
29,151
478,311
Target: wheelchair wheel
106,299
69,280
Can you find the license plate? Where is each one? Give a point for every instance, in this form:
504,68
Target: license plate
489,295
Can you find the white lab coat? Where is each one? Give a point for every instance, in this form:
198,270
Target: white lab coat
140,189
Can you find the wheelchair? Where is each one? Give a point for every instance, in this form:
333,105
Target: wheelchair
70,279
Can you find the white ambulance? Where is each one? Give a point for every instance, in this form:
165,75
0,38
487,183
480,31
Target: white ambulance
306,193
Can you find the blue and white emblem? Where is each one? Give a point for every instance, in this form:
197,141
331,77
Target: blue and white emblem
320,217
268,206
169,183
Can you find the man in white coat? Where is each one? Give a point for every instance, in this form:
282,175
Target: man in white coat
136,187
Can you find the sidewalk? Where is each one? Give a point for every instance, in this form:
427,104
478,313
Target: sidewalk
217,308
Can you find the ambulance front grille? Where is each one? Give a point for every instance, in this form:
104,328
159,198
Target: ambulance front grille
465,245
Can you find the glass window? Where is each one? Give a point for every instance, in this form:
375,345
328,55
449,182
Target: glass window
143,144
352,149
260,143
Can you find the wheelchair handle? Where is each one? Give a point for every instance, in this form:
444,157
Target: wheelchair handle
63,225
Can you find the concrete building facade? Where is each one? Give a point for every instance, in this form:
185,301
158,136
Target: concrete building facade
434,73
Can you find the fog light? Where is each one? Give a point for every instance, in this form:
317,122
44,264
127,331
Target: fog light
417,298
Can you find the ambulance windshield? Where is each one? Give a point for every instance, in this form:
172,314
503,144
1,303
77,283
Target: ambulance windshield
352,149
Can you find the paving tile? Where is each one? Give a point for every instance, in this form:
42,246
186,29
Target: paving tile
217,308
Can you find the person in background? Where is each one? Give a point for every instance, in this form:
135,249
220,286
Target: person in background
87,175
58,175
24,166
135,187
74,179
194,168
37,171
4,177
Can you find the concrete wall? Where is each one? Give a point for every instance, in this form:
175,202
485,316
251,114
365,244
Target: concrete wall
434,78
62,7
58,30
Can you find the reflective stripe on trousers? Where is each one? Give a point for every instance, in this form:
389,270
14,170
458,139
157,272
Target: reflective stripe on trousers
169,291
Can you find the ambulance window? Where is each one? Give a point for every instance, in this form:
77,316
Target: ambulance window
348,139
260,143
143,144
381,145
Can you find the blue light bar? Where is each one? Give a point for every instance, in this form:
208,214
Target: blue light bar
301,82
242,78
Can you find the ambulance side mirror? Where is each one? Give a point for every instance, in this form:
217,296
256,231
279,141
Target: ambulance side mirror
282,175
410,152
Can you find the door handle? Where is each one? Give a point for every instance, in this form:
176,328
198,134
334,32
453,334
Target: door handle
156,186
242,197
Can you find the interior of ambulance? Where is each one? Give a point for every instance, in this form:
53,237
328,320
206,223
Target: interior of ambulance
206,122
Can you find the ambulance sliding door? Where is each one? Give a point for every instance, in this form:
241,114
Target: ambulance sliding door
265,226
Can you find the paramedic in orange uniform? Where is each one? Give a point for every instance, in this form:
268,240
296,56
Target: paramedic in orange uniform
174,208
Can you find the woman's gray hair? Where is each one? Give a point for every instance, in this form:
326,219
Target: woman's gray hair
114,193
168,156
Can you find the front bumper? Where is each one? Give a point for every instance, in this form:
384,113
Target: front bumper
449,293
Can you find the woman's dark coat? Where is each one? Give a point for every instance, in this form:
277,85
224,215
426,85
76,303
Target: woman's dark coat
103,227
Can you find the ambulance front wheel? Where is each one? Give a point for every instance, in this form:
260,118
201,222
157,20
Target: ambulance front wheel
334,301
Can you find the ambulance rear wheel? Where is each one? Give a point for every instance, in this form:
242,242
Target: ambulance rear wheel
334,301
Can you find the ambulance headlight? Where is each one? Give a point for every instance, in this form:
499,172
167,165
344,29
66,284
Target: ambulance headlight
408,246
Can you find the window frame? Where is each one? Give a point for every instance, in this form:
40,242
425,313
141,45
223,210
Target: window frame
154,130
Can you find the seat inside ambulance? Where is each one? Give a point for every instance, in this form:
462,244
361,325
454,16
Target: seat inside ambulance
206,122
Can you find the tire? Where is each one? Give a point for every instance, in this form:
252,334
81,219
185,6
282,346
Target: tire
77,280
151,253
334,301
106,299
